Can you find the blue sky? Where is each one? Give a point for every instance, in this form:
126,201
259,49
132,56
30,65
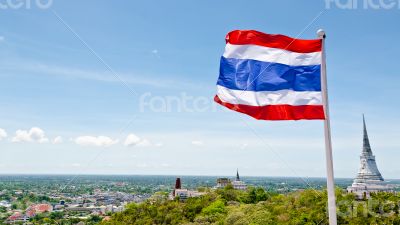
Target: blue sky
78,70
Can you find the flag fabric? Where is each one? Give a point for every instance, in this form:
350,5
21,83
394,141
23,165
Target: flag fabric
271,77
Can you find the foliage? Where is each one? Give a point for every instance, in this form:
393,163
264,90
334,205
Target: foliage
56,215
255,206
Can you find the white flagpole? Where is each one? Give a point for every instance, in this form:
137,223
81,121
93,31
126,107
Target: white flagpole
328,141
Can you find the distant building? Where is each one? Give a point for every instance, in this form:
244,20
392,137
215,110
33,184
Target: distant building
16,218
5,204
183,194
178,185
59,206
35,209
77,208
369,179
237,183
223,182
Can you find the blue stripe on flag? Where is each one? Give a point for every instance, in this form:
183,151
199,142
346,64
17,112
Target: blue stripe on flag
244,74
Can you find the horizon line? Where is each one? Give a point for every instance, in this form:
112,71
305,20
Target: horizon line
167,175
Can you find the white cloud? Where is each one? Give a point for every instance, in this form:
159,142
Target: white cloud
58,140
35,134
3,134
2,38
197,143
133,140
99,141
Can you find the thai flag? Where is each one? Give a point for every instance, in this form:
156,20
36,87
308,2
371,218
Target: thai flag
271,77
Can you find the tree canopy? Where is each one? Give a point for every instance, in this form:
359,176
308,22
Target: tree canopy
255,206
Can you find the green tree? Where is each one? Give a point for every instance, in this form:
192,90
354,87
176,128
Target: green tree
56,215
217,207
95,219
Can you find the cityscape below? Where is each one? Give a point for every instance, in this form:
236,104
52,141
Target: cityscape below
95,198
84,196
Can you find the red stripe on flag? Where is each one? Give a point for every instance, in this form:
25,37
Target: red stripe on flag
252,37
278,112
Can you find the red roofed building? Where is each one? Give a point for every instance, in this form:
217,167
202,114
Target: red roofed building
32,210
16,217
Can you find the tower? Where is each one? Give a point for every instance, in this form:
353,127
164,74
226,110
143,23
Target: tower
368,171
368,179
178,184
237,175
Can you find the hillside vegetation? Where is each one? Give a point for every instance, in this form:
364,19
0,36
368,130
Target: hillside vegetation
255,206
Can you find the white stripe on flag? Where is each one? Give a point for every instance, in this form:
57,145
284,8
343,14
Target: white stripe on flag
262,98
273,55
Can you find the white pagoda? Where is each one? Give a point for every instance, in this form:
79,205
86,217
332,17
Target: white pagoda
239,184
368,179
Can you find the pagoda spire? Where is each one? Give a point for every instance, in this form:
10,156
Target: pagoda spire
366,146
368,170
369,179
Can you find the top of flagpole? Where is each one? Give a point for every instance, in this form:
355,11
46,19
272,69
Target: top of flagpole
321,34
